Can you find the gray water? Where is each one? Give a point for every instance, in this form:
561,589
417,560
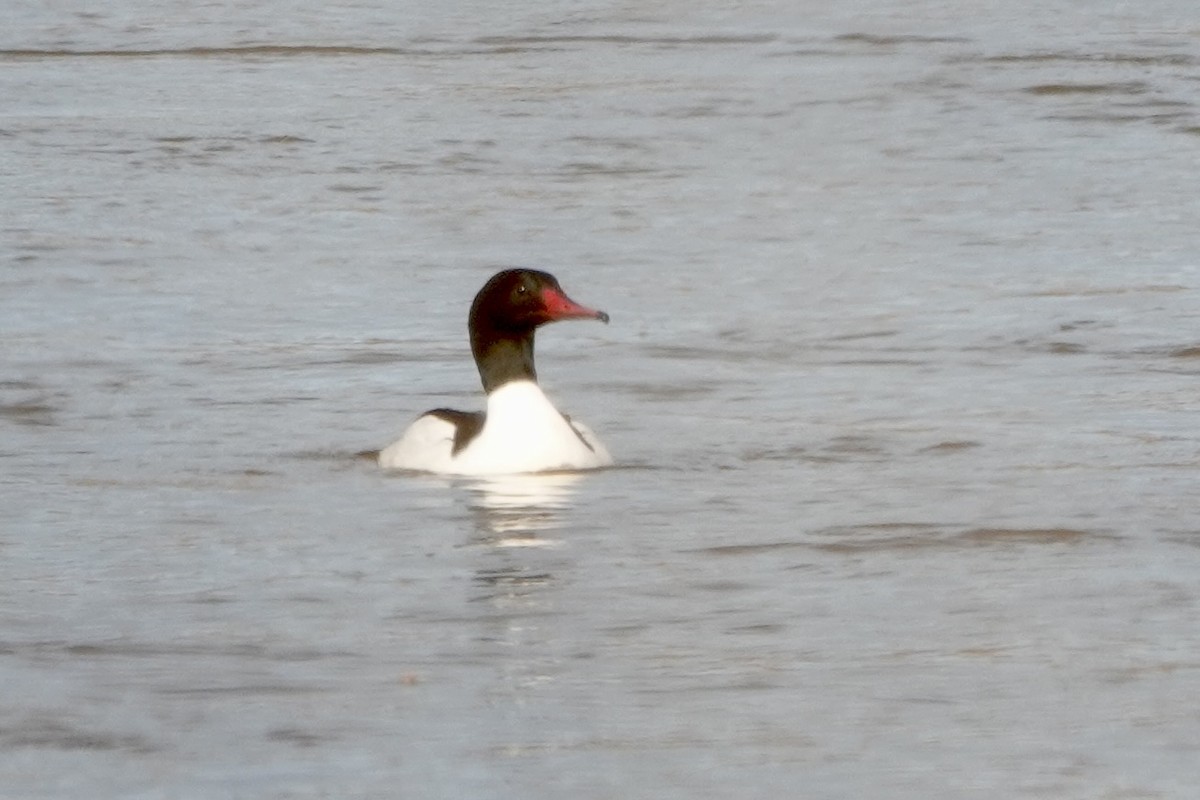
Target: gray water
902,381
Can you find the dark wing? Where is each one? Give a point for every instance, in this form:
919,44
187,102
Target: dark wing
467,425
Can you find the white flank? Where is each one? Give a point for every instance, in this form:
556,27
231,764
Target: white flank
524,432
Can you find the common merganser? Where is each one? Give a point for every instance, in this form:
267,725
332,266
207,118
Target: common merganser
521,431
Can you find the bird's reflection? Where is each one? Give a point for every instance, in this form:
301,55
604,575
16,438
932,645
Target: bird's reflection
516,518
521,510
520,571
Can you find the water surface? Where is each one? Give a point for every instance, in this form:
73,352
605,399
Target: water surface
901,379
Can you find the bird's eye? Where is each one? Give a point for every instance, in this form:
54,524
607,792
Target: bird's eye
522,289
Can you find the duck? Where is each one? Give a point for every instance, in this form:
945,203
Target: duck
521,431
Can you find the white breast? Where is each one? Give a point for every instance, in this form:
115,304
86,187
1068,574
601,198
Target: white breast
523,432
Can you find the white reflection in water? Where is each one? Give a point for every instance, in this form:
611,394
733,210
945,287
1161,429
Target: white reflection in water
517,510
